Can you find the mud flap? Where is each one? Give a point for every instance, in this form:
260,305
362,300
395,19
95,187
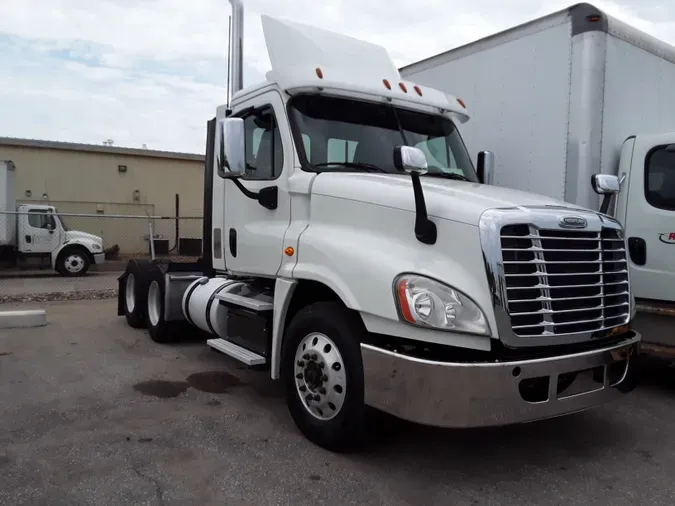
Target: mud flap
120,293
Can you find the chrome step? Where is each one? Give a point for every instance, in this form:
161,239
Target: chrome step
237,352
260,302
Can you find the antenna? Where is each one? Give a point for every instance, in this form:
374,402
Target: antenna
229,53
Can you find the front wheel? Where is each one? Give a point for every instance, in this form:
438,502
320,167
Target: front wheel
73,262
322,372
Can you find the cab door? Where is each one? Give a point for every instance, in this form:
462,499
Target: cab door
38,231
649,200
253,234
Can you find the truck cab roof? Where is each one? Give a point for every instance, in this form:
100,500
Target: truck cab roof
306,59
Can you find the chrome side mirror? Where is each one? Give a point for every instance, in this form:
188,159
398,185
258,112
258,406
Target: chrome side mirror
410,159
605,184
230,147
485,167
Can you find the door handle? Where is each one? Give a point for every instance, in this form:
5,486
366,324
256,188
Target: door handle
637,249
29,239
233,242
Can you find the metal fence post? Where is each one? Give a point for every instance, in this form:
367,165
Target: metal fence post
152,239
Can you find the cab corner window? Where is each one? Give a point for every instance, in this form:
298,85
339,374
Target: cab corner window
264,150
660,178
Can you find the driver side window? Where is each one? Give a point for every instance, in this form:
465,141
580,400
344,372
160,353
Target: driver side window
660,178
38,218
264,149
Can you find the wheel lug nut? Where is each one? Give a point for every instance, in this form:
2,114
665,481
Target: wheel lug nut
299,375
322,391
306,356
302,388
337,366
317,397
308,397
301,363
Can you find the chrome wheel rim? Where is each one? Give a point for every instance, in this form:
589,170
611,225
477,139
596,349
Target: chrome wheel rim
130,292
74,263
154,303
320,377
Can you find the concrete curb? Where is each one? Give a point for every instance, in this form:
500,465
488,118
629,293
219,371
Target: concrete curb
23,318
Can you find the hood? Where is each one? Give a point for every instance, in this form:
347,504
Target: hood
77,235
449,199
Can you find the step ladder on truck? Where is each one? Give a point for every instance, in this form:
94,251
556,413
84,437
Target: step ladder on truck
352,250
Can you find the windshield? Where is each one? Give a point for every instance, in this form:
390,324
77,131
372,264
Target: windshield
364,135
63,223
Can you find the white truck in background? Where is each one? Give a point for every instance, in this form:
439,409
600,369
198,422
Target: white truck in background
33,231
569,95
357,271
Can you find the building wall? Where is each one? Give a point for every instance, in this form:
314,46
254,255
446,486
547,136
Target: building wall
90,182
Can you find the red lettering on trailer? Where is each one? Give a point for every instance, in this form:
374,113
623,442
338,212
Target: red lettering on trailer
667,237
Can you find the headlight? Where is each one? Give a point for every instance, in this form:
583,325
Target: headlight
428,303
96,247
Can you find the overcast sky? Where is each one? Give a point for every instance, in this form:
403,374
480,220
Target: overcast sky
152,71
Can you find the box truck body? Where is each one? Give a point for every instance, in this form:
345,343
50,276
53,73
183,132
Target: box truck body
7,203
555,98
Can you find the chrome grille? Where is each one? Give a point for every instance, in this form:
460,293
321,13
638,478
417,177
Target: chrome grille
562,282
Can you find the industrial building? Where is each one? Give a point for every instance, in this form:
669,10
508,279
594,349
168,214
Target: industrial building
106,180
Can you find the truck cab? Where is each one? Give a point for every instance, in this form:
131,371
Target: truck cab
354,252
646,207
43,233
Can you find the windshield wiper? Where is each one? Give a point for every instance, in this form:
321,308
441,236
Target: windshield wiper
353,165
448,175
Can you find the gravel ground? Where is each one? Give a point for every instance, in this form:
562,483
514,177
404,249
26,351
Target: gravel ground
50,287
93,412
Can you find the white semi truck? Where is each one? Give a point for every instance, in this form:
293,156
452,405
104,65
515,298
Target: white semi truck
567,96
354,252
36,231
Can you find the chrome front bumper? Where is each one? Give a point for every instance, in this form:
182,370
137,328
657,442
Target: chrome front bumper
480,394
99,258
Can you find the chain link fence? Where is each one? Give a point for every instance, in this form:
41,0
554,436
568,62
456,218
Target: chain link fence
55,256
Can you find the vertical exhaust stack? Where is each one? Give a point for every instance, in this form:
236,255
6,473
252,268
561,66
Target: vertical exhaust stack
236,50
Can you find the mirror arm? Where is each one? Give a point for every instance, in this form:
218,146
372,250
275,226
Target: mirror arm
266,197
425,229
605,203
248,193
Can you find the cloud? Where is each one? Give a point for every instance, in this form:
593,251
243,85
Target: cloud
153,71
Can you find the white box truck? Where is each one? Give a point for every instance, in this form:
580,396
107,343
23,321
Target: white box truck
567,96
38,231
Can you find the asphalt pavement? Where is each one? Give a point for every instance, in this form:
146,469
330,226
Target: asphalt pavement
93,412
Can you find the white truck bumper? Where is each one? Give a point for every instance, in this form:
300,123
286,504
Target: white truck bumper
473,394
99,258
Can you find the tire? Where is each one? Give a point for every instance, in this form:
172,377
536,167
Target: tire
159,329
135,294
73,262
317,325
